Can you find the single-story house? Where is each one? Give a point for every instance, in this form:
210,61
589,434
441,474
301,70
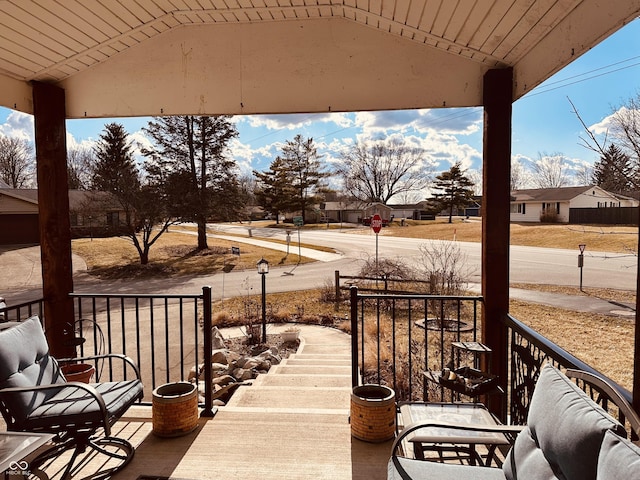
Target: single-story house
554,204
91,213
354,211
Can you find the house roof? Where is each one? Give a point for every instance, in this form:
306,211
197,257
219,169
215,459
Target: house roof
550,194
78,199
118,58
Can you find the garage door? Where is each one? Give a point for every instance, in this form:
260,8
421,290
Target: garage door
19,229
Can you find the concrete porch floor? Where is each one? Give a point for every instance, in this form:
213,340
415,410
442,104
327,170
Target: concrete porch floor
292,423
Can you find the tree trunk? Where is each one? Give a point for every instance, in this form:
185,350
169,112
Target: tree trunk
202,233
144,257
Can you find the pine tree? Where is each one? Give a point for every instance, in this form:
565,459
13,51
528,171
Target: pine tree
456,190
613,172
275,192
115,169
191,153
302,162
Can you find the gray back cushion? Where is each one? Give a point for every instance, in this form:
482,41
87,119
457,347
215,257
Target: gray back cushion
25,362
564,432
619,459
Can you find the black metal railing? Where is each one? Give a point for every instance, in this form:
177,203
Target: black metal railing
396,338
163,334
529,351
21,311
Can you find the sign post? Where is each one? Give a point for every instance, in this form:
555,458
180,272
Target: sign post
376,226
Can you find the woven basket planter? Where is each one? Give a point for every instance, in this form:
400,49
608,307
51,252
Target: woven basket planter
373,413
174,409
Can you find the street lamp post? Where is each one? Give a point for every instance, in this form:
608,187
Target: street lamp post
263,269
582,246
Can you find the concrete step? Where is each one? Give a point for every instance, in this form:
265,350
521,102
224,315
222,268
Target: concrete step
310,369
296,398
317,361
321,348
322,356
321,381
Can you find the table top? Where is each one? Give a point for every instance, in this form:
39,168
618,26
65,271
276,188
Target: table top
455,413
14,446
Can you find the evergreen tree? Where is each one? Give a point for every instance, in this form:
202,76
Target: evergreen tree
190,152
302,164
145,205
115,170
275,192
455,190
613,172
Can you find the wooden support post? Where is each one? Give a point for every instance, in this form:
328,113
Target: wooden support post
53,206
497,99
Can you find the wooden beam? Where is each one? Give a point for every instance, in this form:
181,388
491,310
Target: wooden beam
496,177
53,205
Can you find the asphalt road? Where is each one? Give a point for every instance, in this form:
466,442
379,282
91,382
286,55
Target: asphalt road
20,279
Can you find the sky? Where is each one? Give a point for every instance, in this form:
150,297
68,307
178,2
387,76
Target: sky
598,83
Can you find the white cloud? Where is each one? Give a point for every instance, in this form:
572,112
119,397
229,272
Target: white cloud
18,125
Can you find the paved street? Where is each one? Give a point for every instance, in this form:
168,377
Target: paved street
21,275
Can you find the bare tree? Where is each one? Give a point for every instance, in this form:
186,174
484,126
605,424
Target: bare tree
550,171
80,162
16,162
520,177
626,130
375,172
584,174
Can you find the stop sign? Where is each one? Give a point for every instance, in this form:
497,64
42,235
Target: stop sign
376,223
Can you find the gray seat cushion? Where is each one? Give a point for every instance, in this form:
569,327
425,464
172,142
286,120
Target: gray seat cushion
619,459
564,432
419,469
73,405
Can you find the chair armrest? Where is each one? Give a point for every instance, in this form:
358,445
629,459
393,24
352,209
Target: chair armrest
127,360
60,386
506,429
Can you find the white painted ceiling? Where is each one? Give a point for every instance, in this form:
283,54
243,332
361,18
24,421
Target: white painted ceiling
119,58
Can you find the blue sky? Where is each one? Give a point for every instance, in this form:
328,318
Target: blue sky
543,122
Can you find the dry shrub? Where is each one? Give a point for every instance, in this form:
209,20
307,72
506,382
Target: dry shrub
282,315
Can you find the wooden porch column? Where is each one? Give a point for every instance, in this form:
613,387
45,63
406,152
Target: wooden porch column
53,206
496,179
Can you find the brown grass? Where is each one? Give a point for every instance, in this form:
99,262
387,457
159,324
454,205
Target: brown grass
619,239
173,254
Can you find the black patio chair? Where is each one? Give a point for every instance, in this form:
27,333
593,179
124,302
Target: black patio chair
35,397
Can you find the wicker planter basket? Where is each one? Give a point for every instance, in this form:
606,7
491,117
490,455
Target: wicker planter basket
373,413
174,409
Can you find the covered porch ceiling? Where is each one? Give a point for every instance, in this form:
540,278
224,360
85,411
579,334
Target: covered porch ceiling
118,58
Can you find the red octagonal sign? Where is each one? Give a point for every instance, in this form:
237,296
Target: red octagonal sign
376,223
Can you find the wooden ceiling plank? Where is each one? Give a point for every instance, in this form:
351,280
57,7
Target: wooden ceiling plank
102,30
506,24
36,58
445,14
85,32
375,7
124,14
541,20
401,11
13,70
53,32
415,12
388,9
137,10
477,17
487,28
429,15
458,21
17,39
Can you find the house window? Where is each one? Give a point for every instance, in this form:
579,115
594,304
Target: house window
73,218
518,208
113,219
